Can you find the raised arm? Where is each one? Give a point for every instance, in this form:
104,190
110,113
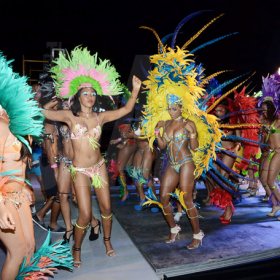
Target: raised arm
56,115
117,114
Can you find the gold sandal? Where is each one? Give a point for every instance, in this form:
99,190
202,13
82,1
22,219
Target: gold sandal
109,253
76,264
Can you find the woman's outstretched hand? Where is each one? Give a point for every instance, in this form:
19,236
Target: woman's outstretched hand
136,85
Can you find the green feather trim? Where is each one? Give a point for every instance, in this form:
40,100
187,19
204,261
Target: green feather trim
72,172
75,83
93,143
96,181
57,254
81,57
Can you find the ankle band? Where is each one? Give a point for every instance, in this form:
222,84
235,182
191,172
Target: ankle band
199,235
175,229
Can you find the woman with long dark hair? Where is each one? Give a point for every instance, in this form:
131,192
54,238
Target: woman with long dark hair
86,80
270,163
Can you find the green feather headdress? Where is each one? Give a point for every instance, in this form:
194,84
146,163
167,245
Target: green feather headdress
78,68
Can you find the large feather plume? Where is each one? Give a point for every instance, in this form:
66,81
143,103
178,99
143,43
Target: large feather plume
78,67
17,99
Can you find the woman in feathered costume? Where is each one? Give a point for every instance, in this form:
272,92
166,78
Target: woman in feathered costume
141,169
177,108
245,111
173,117
82,77
21,121
270,104
217,195
126,148
237,116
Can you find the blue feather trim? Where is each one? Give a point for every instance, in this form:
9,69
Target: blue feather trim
218,89
220,182
212,42
229,170
181,24
235,155
235,138
224,179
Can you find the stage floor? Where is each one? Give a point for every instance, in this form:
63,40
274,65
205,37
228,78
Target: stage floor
139,240
251,236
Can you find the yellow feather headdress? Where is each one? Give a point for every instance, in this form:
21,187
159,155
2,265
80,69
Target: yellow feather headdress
176,73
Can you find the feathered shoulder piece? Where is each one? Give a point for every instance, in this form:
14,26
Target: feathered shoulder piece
245,108
17,99
271,89
80,68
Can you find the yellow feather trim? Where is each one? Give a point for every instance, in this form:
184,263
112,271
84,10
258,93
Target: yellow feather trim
233,126
200,31
149,202
156,35
214,75
180,194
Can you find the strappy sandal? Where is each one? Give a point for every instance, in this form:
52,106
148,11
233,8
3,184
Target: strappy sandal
174,234
109,253
198,237
76,264
71,234
93,236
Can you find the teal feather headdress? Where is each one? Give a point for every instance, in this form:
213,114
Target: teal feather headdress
17,99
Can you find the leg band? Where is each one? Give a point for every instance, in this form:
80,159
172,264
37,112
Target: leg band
107,217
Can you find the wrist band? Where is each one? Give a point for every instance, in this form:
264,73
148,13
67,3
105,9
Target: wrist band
192,135
54,165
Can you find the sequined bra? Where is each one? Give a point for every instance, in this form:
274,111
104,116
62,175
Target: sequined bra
93,135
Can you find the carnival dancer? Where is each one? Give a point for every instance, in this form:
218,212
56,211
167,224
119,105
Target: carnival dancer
82,77
21,122
270,102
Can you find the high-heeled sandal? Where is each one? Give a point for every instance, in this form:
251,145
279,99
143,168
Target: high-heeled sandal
67,240
76,264
224,220
109,253
265,198
273,212
252,189
93,236
174,233
124,198
198,236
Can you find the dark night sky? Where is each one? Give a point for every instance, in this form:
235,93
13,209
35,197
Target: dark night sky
111,28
